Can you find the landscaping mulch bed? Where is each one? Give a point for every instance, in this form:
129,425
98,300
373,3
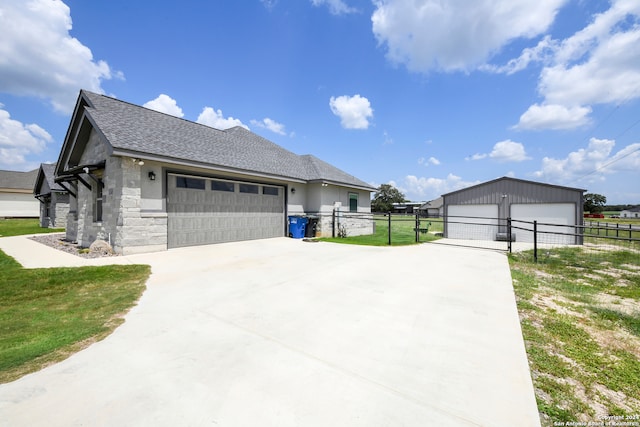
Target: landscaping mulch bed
58,241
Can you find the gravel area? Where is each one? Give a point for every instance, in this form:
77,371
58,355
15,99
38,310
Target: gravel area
58,241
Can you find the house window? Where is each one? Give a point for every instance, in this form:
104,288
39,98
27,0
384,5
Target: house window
353,202
223,186
186,182
97,202
249,188
270,191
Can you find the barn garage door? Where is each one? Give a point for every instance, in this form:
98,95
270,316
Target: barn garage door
545,213
204,210
475,222
19,205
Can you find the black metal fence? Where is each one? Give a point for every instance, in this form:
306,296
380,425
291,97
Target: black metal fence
540,237
508,235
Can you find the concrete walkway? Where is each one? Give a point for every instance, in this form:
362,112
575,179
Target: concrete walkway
281,332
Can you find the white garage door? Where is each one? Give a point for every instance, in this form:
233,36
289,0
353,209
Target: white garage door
474,222
545,213
19,205
204,210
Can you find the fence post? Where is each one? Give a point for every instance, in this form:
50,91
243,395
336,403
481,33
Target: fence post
617,229
535,241
417,228
333,224
630,228
389,214
509,234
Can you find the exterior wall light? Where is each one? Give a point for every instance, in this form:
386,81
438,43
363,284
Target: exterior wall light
152,175
293,191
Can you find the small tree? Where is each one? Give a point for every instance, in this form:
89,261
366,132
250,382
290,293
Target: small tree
594,203
385,197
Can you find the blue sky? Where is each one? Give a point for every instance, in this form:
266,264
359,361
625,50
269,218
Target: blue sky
430,96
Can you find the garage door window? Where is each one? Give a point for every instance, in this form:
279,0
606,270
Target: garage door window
249,188
270,191
185,182
223,186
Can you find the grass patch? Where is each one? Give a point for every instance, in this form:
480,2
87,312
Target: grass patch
48,314
582,338
21,226
402,232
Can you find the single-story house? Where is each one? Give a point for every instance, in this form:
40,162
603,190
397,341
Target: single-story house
633,212
433,208
480,212
54,199
146,181
16,194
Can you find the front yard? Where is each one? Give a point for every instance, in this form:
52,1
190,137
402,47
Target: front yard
48,314
580,317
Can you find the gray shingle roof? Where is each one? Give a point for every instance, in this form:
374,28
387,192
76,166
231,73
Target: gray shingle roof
18,180
47,173
134,129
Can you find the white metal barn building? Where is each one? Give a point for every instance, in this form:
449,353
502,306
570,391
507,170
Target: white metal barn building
480,212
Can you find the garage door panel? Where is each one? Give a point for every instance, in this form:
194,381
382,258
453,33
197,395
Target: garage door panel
198,217
558,214
473,222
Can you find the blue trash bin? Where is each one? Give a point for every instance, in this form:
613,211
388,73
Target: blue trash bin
297,226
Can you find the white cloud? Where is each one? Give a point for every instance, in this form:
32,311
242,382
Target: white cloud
456,35
504,151
336,7
38,56
18,140
591,163
431,188
216,119
429,161
271,125
165,104
354,111
553,116
477,156
269,4
509,151
598,64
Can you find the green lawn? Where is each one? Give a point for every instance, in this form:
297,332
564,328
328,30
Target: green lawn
48,314
581,324
402,232
20,226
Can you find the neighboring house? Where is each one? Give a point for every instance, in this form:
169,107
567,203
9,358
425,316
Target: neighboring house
433,208
16,194
480,212
633,212
54,200
147,181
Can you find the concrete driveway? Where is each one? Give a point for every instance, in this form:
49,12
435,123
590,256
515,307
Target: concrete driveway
282,332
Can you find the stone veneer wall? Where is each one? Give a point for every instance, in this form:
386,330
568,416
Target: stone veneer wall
58,210
356,224
124,225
